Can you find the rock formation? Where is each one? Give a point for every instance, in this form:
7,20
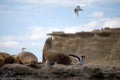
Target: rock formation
54,55
99,46
60,72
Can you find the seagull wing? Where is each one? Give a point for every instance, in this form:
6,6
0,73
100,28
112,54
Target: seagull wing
80,9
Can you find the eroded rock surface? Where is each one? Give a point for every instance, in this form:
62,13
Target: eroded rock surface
99,46
59,72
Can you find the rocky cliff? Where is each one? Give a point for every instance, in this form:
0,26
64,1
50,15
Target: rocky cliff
99,46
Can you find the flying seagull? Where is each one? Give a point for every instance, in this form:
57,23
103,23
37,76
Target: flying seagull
77,9
79,59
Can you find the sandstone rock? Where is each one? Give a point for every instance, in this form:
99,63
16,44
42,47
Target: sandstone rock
95,45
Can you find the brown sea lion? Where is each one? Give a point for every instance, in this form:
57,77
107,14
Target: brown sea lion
8,58
15,57
53,55
27,58
2,60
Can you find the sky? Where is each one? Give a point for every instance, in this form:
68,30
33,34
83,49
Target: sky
25,23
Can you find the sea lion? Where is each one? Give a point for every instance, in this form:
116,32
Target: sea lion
15,57
53,55
8,58
27,58
2,60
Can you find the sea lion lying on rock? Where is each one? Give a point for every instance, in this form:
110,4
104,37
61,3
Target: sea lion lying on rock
7,57
27,58
53,55
2,60
60,58
15,57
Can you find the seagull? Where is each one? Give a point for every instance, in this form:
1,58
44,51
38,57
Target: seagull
79,59
50,64
23,49
76,9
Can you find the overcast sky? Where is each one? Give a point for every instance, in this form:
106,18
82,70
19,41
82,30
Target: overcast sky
25,23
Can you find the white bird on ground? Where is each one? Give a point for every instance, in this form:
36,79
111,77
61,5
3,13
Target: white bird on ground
77,9
23,49
79,59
